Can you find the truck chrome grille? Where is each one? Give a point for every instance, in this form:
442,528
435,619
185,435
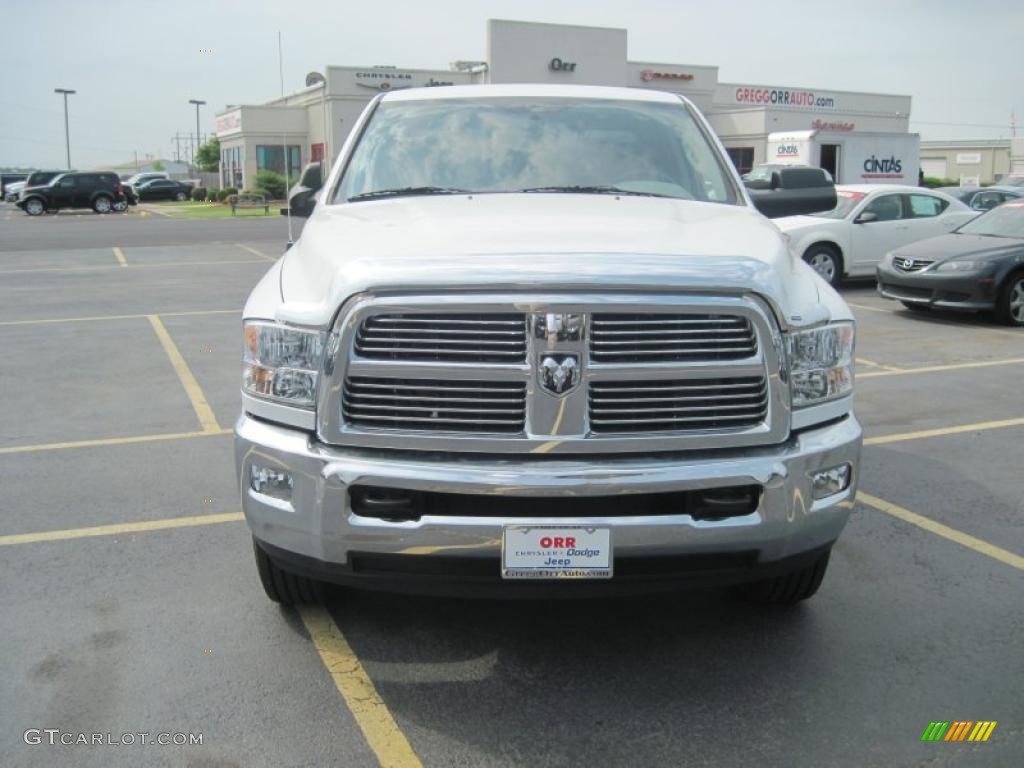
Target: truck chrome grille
657,338
485,338
689,404
435,404
565,373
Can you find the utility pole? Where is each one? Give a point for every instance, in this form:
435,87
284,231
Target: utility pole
67,135
198,104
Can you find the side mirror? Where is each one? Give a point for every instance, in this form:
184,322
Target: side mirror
302,197
866,218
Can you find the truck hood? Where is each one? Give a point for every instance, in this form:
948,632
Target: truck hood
544,242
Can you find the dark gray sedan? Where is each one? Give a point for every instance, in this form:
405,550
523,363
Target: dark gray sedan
979,266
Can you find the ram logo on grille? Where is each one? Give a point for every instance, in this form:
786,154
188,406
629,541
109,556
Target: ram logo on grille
559,373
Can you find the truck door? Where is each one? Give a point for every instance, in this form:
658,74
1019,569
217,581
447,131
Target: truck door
830,160
64,190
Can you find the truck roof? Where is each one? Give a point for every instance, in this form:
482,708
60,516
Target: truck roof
535,89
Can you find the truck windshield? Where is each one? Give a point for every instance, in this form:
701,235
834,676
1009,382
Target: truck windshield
543,145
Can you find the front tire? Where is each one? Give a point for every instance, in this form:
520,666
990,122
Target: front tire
825,260
284,587
35,207
120,206
1010,308
789,588
102,204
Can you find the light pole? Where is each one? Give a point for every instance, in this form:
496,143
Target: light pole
198,104
67,136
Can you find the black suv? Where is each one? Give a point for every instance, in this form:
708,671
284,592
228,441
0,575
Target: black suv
102,191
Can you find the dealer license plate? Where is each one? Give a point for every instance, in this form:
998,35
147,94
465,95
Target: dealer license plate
556,552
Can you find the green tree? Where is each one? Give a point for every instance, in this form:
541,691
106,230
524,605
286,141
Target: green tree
158,166
208,155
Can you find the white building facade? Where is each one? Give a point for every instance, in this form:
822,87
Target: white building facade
313,123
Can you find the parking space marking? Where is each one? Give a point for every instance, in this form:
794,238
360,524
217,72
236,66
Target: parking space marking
103,442
119,255
253,250
951,534
96,267
382,733
873,364
195,393
936,368
872,309
980,426
120,528
184,313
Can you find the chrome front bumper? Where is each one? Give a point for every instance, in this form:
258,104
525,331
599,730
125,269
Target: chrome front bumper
318,524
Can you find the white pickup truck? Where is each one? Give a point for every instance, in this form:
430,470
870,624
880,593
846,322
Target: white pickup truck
539,340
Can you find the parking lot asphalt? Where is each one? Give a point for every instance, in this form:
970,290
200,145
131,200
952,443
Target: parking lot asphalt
131,601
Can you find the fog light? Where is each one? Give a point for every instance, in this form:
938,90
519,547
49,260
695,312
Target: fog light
270,482
828,482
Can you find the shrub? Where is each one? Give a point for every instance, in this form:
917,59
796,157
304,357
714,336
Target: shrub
224,194
259,191
274,183
931,182
199,194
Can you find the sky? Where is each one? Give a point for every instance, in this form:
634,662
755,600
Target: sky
135,65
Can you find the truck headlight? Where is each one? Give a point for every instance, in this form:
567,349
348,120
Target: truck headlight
820,363
282,363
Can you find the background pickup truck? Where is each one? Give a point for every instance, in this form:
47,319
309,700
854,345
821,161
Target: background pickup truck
539,340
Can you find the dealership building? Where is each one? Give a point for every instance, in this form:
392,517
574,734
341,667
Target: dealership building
314,122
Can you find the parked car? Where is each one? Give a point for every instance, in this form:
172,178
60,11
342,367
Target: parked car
10,178
13,190
163,189
1014,180
612,299
141,178
869,221
979,266
100,190
983,198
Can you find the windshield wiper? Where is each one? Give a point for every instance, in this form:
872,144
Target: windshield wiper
592,190
407,192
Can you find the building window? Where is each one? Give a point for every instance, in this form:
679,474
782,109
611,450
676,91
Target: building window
231,167
316,153
742,158
271,158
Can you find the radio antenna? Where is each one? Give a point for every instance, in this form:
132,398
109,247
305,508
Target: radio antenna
284,142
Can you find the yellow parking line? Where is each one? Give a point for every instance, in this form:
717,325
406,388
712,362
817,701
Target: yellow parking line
952,534
120,528
871,309
873,364
935,368
151,265
253,250
120,317
980,426
195,393
382,733
119,255
107,441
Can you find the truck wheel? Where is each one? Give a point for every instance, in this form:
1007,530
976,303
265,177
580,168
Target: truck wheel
180,197
101,204
283,587
34,207
914,306
120,206
826,262
789,588
1010,309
